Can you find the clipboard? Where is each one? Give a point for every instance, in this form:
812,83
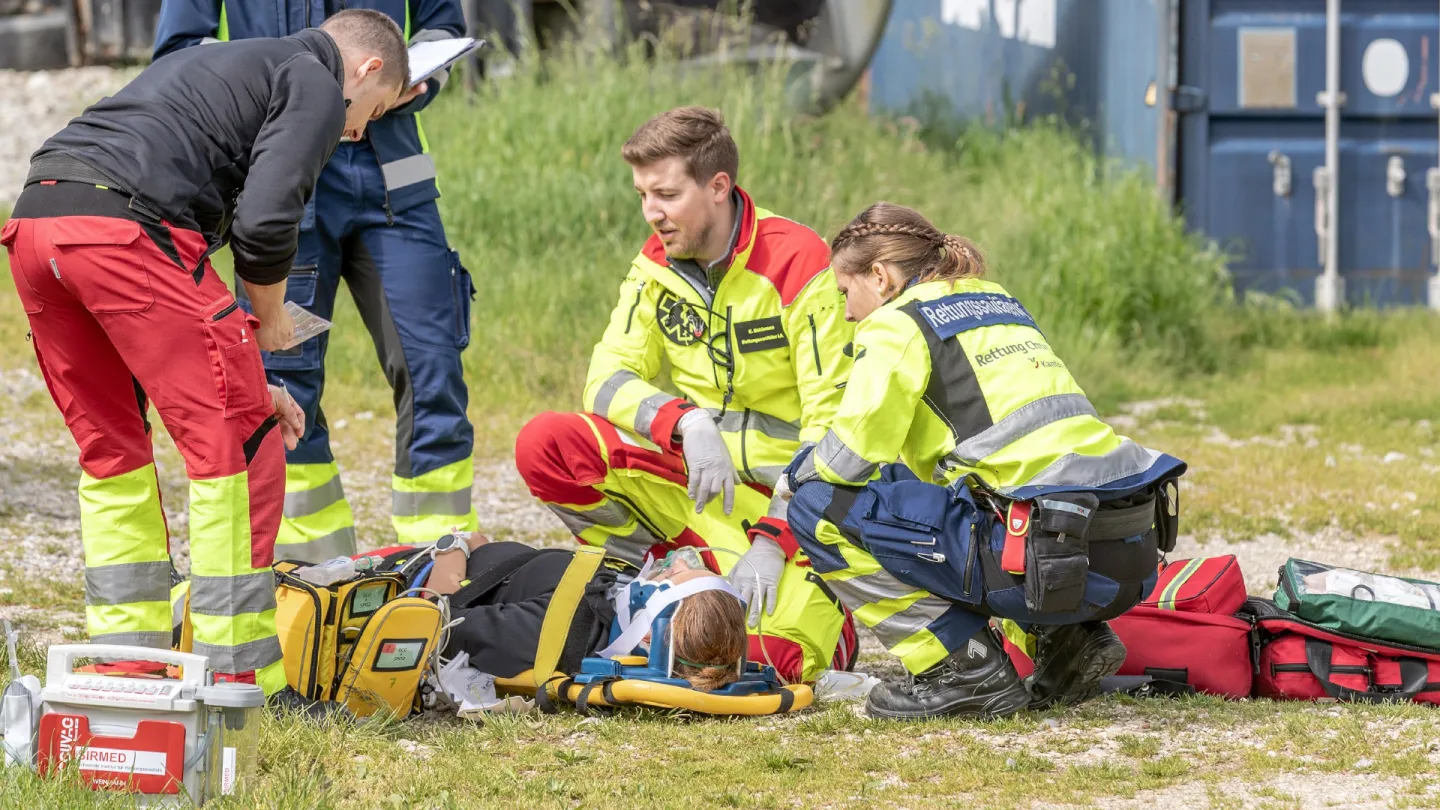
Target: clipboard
431,57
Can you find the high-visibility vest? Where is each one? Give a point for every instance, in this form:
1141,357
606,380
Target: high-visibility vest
955,379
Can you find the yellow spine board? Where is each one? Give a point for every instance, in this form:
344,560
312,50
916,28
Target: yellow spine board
636,692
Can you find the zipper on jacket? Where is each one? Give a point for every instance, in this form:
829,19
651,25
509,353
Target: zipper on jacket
970,558
815,344
629,319
745,431
729,367
226,311
389,215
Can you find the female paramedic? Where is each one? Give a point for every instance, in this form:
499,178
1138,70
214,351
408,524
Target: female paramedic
1011,498
502,591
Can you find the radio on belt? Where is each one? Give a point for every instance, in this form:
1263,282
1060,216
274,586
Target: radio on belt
173,742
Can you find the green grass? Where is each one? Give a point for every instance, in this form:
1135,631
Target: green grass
539,205
825,758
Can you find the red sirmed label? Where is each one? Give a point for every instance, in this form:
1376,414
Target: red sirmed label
152,761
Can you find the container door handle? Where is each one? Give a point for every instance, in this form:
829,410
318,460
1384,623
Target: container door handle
1395,176
1281,174
1322,211
1432,213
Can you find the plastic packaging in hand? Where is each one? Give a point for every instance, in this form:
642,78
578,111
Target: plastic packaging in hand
1373,588
307,324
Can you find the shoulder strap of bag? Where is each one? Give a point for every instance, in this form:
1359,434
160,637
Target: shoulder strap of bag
558,615
1413,674
490,578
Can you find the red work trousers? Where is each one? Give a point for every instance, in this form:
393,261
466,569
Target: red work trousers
116,321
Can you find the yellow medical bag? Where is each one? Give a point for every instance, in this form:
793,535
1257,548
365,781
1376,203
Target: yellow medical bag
358,642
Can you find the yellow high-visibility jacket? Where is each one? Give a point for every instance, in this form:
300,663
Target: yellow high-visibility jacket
764,350
954,379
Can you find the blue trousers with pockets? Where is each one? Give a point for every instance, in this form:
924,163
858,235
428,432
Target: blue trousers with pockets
919,564
414,297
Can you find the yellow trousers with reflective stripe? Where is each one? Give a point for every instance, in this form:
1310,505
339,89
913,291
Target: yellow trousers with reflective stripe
318,524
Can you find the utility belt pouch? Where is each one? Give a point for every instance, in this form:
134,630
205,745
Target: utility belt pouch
1167,513
1057,551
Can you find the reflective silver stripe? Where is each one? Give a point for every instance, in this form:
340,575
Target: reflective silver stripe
408,171
609,389
768,476
843,461
805,473
418,504
772,426
208,40
608,513
1062,506
247,657
310,501
856,592
338,543
128,583
631,547
646,413
1025,420
1075,470
161,640
893,630
232,596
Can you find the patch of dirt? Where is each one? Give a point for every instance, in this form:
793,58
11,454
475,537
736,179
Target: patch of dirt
1300,791
39,104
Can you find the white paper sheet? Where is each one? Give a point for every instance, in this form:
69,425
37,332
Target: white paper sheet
428,57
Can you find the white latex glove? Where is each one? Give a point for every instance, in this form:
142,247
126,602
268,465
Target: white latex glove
765,562
708,459
782,488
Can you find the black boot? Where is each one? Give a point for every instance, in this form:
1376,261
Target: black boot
977,680
288,701
1070,662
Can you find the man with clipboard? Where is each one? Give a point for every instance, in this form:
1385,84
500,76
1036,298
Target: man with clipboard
373,221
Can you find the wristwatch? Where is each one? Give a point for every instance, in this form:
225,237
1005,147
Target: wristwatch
452,542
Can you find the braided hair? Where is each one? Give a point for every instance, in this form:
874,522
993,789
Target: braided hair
886,232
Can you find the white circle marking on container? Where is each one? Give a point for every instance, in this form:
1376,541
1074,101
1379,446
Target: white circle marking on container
1385,67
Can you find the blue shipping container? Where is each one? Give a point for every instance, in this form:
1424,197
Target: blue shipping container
990,59
1246,121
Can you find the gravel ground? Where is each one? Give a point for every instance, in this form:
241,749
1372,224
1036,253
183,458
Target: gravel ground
37,104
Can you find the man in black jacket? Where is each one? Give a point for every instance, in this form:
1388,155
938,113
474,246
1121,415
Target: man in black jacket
109,245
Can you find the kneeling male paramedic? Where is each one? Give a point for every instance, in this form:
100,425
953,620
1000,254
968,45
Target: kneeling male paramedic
1013,499
109,245
743,305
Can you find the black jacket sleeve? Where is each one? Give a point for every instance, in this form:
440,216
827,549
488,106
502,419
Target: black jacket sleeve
501,639
305,120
